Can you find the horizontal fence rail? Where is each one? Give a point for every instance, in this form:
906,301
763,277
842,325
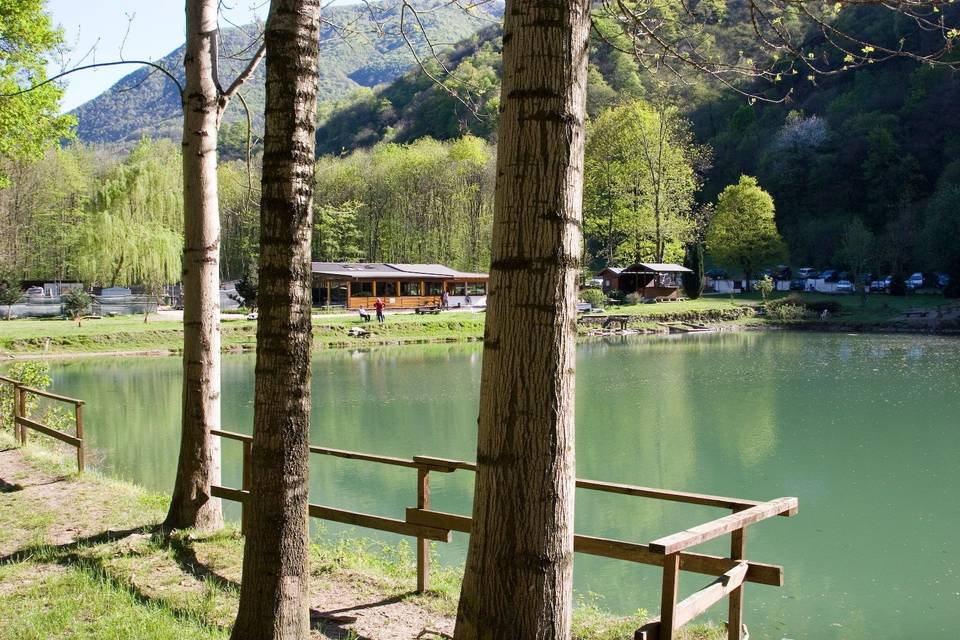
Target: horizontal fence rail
669,552
23,422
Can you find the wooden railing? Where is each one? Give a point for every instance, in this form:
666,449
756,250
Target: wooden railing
670,552
22,421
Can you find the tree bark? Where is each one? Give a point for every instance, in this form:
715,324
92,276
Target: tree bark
199,460
273,595
518,578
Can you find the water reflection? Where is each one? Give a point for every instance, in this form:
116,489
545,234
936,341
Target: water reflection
862,428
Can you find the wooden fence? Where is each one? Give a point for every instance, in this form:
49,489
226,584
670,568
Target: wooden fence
672,552
23,422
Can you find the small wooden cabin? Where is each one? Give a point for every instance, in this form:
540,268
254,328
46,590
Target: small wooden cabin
611,279
650,280
401,286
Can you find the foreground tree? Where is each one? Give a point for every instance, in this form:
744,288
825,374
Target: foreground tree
273,595
743,232
518,578
204,101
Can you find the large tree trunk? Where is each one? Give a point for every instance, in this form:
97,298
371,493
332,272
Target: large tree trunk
199,461
518,580
273,595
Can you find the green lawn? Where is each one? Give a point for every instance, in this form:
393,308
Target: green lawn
131,333
81,557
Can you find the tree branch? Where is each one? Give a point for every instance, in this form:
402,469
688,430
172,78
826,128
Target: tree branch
94,66
246,73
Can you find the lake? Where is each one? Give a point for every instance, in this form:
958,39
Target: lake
864,429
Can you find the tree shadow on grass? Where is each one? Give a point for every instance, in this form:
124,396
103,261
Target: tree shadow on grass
328,624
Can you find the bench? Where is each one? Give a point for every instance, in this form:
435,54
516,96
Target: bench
424,310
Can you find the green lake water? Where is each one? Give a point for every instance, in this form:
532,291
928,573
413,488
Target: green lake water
864,429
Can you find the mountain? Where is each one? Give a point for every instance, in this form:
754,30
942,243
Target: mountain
360,46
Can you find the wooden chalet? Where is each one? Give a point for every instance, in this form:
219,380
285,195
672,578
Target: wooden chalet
611,279
401,286
649,279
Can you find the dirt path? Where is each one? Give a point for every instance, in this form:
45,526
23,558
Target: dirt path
86,521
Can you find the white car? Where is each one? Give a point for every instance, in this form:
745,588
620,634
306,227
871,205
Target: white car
844,286
915,281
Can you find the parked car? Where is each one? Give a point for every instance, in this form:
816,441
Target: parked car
844,286
807,272
798,285
35,291
915,281
830,275
882,284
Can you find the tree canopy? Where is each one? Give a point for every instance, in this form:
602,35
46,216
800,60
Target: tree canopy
743,231
641,178
29,121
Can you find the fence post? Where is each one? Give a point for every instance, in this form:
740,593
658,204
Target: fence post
423,545
78,422
246,470
735,616
14,400
668,597
21,402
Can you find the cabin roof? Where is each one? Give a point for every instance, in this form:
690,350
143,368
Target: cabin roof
614,270
374,270
656,267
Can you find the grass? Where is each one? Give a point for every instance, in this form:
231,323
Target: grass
131,334
81,556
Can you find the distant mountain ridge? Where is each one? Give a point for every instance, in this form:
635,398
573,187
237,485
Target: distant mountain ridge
360,46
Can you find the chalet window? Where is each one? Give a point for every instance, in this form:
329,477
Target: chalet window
458,288
410,288
361,289
386,289
477,288
434,288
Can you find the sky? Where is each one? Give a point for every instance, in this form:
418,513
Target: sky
155,29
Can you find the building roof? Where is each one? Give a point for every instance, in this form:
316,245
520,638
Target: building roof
656,267
615,270
374,270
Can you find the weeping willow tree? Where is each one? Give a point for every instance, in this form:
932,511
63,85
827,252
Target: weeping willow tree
131,234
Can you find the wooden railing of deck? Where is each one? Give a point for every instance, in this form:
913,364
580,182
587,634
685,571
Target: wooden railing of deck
670,552
23,422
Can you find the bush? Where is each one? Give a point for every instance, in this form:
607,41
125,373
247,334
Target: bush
594,296
634,298
788,312
31,374
616,295
75,303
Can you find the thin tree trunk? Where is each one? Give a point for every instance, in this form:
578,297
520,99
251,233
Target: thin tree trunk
198,466
273,595
518,579
199,460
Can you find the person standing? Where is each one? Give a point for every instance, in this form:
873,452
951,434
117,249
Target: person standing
378,305
445,300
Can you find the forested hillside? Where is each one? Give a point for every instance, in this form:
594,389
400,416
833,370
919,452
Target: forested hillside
360,46
878,142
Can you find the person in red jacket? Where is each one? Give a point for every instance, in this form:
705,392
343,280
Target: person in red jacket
378,305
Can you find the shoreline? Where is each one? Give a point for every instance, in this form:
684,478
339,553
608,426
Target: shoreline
454,338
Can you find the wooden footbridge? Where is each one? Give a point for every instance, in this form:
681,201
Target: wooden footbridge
673,553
